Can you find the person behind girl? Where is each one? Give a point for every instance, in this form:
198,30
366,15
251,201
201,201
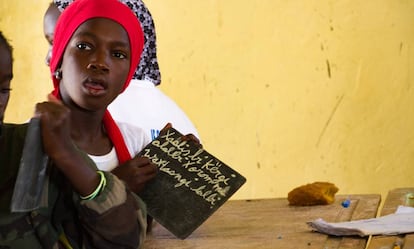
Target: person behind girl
97,47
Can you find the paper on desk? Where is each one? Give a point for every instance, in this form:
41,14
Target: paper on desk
402,221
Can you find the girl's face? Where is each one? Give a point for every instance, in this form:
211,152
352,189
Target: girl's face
95,64
6,75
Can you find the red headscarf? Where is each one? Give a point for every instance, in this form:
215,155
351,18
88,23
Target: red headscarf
77,13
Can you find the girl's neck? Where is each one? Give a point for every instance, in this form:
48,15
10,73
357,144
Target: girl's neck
88,132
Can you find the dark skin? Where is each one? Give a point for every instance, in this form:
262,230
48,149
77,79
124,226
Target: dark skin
56,126
94,68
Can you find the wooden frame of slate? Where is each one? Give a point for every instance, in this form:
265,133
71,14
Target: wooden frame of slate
190,186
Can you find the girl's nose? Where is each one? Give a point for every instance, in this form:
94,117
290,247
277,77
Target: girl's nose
98,62
98,66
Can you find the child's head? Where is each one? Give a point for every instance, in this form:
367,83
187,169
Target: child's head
93,40
49,23
148,67
6,74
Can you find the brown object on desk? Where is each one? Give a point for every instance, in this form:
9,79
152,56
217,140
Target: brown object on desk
270,223
394,198
317,193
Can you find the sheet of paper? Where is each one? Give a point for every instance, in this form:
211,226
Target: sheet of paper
401,222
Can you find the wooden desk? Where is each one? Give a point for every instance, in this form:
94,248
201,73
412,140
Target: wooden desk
394,198
270,223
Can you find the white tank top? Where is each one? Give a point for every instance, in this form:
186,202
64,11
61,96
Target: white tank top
135,140
106,162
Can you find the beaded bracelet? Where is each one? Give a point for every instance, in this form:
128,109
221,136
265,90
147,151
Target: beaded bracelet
98,189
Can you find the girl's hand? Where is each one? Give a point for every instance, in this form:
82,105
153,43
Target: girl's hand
188,137
136,173
55,126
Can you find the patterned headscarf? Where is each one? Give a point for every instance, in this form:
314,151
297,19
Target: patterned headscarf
76,14
148,68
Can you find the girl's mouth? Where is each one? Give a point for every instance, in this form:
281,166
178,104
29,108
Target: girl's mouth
95,88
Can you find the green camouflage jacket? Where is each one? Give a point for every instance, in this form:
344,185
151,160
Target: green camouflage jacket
114,219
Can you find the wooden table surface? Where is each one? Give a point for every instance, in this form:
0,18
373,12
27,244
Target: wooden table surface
270,223
394,198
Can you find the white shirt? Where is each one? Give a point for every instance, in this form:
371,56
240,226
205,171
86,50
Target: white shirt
142,104
135,139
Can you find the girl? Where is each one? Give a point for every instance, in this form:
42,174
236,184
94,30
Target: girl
96,50
97,46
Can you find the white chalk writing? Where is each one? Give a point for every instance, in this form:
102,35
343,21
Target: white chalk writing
206,178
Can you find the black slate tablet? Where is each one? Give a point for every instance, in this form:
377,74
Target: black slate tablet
190,186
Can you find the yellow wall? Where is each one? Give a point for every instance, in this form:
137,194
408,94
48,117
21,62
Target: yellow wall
285,92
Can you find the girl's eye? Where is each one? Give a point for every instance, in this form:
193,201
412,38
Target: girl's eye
119,55
83,46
